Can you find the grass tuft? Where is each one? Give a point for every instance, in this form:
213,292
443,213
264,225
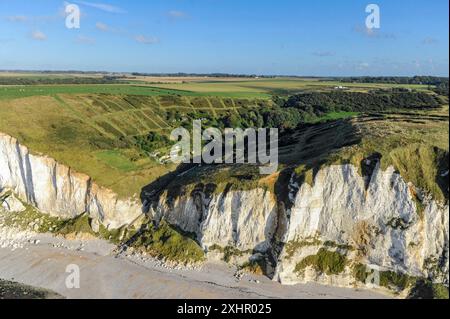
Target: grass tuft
165,242
325,262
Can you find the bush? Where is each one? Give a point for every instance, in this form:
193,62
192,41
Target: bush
327,262
165,242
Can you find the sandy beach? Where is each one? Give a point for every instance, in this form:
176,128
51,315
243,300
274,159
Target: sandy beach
41,261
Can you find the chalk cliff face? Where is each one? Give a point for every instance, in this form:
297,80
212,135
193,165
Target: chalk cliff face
57,190
369,220
379,224
242,219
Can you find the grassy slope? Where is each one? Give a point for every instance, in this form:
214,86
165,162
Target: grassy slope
416,144
92,132
46,127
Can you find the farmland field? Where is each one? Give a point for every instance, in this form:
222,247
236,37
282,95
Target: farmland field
25,91
109,131
232,88
282,85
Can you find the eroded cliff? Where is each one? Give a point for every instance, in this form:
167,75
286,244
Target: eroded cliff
333,229
57,190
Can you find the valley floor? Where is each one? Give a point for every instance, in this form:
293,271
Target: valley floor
41,261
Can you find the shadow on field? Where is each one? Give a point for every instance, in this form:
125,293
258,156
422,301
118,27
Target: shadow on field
308,146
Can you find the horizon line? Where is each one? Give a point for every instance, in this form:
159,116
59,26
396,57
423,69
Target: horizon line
213,74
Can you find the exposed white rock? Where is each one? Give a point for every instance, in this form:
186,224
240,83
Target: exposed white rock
57,190
378,218
9,202
243,219
382,223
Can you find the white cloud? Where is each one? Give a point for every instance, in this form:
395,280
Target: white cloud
429,41
19,18
363,65
102,27
177,14
38,35
35,19
107,28
324,53
6,40
102,6
373,33
85,40
146,40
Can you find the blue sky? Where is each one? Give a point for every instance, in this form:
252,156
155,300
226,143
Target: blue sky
291,37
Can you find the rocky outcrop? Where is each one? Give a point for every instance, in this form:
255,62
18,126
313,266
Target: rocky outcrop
374,221
57,190
379,225
245,220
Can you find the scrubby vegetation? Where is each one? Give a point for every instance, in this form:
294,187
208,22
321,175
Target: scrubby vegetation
440,291
425,289
33,220
80,225
438,84
419,288
162,241
388,279
324,102
415,143
418,157
253,267
325,262
395,280
165,242
311,107
151,142
293,246
418,80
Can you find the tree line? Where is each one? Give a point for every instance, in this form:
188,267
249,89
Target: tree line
308,107
56,81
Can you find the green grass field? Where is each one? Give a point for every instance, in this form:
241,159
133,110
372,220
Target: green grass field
93,132
247,89
116,159
278,86
17,91
92,127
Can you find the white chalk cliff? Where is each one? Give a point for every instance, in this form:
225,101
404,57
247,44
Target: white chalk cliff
57,190
378,219
381,224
